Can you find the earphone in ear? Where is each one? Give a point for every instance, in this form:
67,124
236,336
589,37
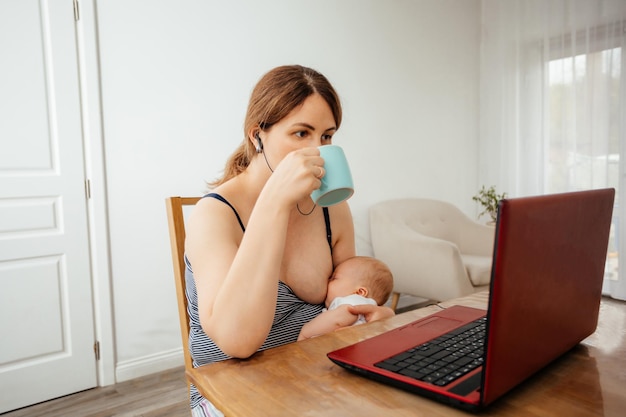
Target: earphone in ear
259,149
259,144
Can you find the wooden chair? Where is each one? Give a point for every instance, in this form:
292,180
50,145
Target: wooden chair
176,223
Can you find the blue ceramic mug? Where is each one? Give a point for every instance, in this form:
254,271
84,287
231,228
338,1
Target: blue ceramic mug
337,184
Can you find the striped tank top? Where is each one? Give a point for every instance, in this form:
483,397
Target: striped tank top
290,315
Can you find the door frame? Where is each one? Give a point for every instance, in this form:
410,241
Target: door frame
95,173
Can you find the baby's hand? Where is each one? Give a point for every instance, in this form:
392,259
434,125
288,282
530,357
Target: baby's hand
370,312
343,317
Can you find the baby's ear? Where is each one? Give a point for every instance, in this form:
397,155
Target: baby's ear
362,291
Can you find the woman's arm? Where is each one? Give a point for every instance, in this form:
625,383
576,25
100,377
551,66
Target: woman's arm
237,277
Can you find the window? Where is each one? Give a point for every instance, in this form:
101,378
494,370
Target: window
553,104
583,116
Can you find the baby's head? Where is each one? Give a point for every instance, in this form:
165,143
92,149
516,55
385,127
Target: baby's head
361,275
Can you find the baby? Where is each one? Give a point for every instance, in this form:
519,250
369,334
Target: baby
358,280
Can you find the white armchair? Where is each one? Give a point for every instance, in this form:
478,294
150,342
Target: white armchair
432,248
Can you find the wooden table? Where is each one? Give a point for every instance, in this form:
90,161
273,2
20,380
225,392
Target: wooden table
299,380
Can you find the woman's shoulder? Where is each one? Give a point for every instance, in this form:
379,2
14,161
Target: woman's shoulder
342,226
341,213
226,194
234,196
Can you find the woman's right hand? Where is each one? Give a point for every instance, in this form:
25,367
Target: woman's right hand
296,176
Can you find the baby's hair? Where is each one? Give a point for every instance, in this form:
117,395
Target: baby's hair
379,278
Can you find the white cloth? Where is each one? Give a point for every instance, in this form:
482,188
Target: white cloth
353,300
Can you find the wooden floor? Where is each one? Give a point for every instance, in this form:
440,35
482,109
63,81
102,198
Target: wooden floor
159,395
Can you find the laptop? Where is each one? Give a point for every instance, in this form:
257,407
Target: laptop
546,285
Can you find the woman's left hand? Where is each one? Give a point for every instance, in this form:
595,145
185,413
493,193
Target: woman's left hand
371,312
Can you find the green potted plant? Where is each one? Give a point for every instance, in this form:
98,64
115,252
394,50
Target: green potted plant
488,198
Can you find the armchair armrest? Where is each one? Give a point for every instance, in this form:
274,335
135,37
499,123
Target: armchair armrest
476,239
422,266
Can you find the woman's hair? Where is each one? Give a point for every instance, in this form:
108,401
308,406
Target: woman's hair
276,94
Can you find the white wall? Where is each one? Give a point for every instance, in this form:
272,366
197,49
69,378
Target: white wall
176,76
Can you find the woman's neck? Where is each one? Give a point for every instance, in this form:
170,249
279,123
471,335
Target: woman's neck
255,176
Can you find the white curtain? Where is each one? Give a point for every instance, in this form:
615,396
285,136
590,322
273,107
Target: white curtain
553,104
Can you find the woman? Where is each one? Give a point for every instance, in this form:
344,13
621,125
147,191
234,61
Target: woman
255,290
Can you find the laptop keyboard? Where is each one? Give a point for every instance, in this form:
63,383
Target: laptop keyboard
442,360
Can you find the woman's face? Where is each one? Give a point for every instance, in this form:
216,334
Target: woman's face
309,125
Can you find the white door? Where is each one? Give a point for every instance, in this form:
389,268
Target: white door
46,317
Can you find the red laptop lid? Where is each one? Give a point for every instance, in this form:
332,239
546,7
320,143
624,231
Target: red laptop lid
546,282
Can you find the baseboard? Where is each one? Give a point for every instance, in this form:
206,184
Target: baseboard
150,364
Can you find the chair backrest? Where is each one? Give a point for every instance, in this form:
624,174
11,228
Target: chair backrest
176,223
